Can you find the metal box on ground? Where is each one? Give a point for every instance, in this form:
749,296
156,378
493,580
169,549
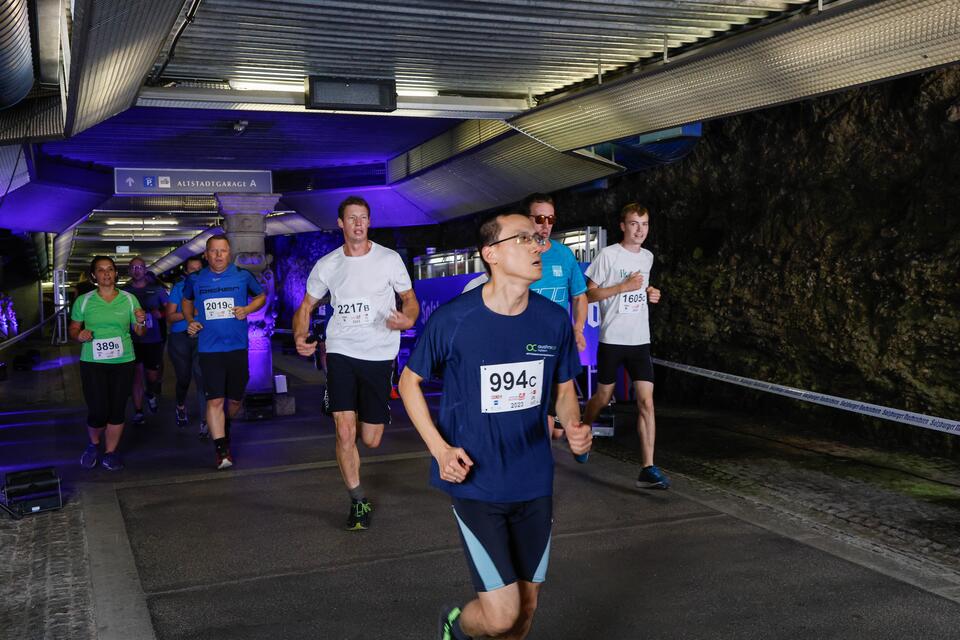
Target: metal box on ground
32,491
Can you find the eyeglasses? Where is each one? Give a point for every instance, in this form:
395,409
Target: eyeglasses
524,239
541,219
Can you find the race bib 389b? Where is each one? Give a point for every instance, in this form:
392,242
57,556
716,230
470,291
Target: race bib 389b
107,348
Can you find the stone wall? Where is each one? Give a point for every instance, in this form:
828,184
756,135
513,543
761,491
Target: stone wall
815,244
295,256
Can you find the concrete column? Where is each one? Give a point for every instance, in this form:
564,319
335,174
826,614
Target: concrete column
244,220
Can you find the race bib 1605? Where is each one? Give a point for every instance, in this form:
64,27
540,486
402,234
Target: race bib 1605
511,387
632,301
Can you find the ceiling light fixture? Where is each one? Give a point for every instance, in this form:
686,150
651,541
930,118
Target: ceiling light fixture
253,85
133,222
417,93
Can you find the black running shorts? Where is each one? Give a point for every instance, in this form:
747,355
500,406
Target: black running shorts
505,541
149,354
106,388
225,374
360,385
635,359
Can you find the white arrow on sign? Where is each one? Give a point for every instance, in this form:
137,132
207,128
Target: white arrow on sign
129,182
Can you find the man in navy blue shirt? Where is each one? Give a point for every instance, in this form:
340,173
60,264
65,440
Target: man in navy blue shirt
216,303
500,350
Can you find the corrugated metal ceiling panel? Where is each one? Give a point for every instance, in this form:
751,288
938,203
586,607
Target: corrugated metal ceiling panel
852,44
500,47
498,174
448,144
114,46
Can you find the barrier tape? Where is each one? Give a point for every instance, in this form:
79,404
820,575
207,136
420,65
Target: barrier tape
855,406
22,336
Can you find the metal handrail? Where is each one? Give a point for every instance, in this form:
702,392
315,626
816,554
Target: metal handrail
20,336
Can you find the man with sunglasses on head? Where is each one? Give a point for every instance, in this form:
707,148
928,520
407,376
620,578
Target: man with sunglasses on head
562,281
363,279
500,350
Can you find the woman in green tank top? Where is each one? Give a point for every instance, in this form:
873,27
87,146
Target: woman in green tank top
101,321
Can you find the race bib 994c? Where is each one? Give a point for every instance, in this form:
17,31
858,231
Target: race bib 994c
511,386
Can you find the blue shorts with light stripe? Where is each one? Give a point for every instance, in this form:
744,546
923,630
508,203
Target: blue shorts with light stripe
505,541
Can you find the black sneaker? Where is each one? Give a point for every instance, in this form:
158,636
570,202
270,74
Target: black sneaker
447,619
181,416
359,517
204,431
138,418
152,402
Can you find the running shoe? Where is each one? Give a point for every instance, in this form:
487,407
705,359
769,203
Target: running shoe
204,431
112,461
138,417
90,457
224,460
359,517
652,478
447,619
181,416
152,403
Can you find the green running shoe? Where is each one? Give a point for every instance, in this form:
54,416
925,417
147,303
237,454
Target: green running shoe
446,623
359,517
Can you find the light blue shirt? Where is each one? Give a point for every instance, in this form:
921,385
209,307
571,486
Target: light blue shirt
562,278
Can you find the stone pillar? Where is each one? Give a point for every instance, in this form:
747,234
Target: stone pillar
244,220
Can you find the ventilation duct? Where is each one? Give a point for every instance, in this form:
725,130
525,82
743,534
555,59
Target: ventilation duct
16,54
845,46
498,174
113,47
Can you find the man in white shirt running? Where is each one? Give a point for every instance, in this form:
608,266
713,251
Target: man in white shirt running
619,280
363,279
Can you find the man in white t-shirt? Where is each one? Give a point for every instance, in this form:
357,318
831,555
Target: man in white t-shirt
619,280
363,279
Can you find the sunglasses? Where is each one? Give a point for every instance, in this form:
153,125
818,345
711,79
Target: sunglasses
541,219
524,239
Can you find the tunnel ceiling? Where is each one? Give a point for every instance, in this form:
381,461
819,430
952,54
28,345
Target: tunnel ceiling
209,139
467,47
481,86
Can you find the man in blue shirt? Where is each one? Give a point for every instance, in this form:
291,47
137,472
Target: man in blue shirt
182,349
148,348
216,303
500,350
562,280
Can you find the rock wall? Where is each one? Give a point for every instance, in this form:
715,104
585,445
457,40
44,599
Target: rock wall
815,244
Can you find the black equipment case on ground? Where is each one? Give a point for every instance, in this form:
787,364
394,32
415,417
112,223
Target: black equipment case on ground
32,491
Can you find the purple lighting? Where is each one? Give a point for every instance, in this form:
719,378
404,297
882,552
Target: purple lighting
43,207
56,363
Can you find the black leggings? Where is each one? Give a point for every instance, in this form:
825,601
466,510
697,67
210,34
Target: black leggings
185,357
106,388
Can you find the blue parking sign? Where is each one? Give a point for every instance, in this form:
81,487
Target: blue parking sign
150,182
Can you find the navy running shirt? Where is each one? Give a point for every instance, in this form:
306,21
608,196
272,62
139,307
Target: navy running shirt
215,295
497,374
